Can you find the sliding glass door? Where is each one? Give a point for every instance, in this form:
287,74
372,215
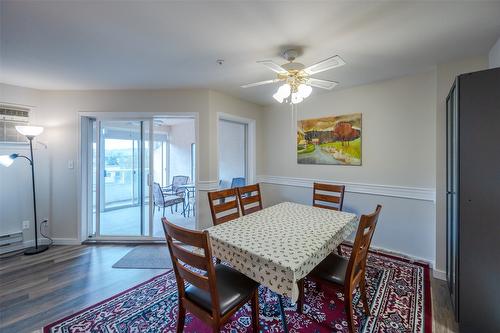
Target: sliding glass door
121,167
131,170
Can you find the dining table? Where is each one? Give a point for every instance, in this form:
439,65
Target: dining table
280,245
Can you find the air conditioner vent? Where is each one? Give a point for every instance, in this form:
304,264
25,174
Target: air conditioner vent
10,117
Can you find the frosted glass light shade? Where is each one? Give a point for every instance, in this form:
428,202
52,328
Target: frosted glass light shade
304,90
30,131
285,90
6,160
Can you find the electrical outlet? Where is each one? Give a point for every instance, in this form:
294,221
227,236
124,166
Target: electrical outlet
26,224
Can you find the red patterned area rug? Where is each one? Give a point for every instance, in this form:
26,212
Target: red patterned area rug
399,295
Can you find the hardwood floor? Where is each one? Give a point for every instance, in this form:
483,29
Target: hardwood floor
443,317
37,290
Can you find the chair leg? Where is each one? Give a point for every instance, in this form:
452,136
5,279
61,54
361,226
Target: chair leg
300,301
364,297
339,250
163,211
171,210
255,311
349,310
181,317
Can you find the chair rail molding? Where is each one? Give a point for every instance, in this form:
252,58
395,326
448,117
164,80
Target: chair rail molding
416,193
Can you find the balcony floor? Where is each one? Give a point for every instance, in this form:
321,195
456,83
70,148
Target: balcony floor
127,222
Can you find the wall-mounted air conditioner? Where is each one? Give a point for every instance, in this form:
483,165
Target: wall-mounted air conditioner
10,117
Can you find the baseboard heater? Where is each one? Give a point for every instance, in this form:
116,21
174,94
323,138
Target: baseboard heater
12,239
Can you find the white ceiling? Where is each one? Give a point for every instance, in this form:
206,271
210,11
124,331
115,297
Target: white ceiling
157,45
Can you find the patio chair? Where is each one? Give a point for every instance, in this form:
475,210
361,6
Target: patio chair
174,188
238,182
163,199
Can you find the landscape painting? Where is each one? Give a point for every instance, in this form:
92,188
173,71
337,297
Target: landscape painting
330,140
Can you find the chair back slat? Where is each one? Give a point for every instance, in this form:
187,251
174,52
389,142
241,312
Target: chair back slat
194,278
185,236
250,198
223,194
223,205
194,259
357,262
328,196
227,218
252,210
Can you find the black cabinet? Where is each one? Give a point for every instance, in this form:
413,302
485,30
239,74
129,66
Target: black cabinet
473,200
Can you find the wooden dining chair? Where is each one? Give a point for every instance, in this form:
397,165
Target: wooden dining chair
213,296
224,205
250,199
349,273
328,196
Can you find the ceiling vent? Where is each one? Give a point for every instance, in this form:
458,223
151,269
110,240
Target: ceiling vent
10,117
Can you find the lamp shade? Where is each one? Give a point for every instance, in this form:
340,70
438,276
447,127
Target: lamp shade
6,160
30,131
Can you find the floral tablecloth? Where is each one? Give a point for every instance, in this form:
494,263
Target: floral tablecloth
281,244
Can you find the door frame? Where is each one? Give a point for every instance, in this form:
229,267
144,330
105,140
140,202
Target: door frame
83,164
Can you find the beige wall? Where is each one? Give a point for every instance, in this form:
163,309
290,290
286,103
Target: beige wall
398,133
445,75
58,112
398,151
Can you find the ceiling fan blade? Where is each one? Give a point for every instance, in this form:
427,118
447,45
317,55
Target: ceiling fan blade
323,84
273,66
261,83
325,65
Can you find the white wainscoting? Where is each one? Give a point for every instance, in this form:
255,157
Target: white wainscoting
417,193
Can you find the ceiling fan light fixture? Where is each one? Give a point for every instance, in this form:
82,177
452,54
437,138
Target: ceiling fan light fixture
304,90
285,90
296,98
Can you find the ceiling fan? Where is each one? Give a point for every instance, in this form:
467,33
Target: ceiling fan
297,78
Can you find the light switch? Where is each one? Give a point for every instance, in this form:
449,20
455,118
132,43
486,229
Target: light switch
71,164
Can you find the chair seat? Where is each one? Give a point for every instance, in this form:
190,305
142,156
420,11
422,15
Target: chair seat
172,200
232,286
332,269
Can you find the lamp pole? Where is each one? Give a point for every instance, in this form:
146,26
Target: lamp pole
36,249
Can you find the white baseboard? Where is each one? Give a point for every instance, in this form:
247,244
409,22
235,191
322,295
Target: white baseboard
406,256
417,193
439,274
44,241
66,241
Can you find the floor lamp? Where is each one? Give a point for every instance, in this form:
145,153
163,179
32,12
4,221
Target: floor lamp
30,132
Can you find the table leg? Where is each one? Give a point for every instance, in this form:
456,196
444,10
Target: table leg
283,316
